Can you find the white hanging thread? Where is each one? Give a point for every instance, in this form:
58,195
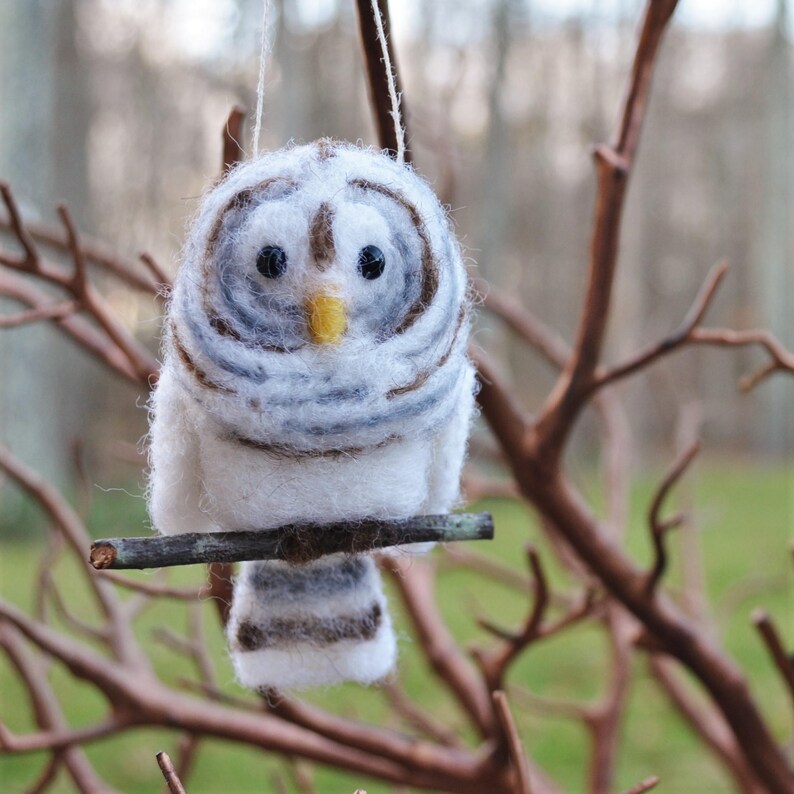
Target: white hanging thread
260,86
393,96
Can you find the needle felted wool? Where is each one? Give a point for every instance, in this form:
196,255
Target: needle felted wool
314,370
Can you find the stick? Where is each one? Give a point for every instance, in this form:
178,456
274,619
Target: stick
169,773
293,543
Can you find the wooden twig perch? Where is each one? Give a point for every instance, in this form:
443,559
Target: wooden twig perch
293,543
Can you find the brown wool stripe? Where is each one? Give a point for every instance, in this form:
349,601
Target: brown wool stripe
429,265
321,236
243,198
286,451
319,632
192,367
420,379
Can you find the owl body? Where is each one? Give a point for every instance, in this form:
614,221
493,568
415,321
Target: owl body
315,371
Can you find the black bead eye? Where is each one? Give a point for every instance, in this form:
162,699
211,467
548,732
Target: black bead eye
371,262
271,261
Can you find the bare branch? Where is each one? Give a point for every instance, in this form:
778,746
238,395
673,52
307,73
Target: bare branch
416,717
20,231
524,324
233,138
660,527
494,664
155,590
142,362
169,773
677,338
414,581
643,786
377,77
783,661
706,721
81,332
160,276
298,543
55,311
515,750
782,360
48,715
613,166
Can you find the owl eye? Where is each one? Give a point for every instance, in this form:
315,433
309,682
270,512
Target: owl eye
271,261
371,262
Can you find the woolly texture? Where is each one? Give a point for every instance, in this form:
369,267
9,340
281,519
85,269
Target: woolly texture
315,371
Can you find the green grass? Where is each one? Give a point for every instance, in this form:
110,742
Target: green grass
745,519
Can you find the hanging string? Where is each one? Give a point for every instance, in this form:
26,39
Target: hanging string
260,86
399,130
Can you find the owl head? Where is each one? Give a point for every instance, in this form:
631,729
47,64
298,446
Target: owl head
327,266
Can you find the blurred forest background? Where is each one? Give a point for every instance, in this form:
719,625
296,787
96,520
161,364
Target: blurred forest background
116,106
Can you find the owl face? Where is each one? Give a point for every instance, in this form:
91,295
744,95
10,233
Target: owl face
319,256
321,299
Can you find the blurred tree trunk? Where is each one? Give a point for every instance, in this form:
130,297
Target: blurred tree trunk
43,154
775,249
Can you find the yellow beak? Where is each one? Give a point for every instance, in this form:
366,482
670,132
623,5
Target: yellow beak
327,318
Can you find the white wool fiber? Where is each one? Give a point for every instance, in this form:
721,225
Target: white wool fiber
255,425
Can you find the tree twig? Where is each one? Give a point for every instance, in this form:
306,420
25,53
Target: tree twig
169,773
494,663
518,758
657,525
644,785
293,543
783,661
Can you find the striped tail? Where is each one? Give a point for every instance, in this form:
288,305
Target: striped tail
299,626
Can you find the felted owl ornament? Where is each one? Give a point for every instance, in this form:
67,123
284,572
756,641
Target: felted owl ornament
315,371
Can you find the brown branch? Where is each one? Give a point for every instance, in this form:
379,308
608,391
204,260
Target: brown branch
524,324
706,721
155,590
96,252
505,416
494,663
144,700
48,715
679,337
232,138
377,77
783,660
141,361
161,278
55,311
20,230
613,165
657,525
516,752
188,747
643,785
414,580
782,360
414,716
120,635
606,717
79,330
169,773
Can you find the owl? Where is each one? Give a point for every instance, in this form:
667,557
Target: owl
315,370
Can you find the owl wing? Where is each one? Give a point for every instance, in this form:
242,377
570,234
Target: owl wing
175,484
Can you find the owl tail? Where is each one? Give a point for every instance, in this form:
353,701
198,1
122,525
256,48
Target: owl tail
299,626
